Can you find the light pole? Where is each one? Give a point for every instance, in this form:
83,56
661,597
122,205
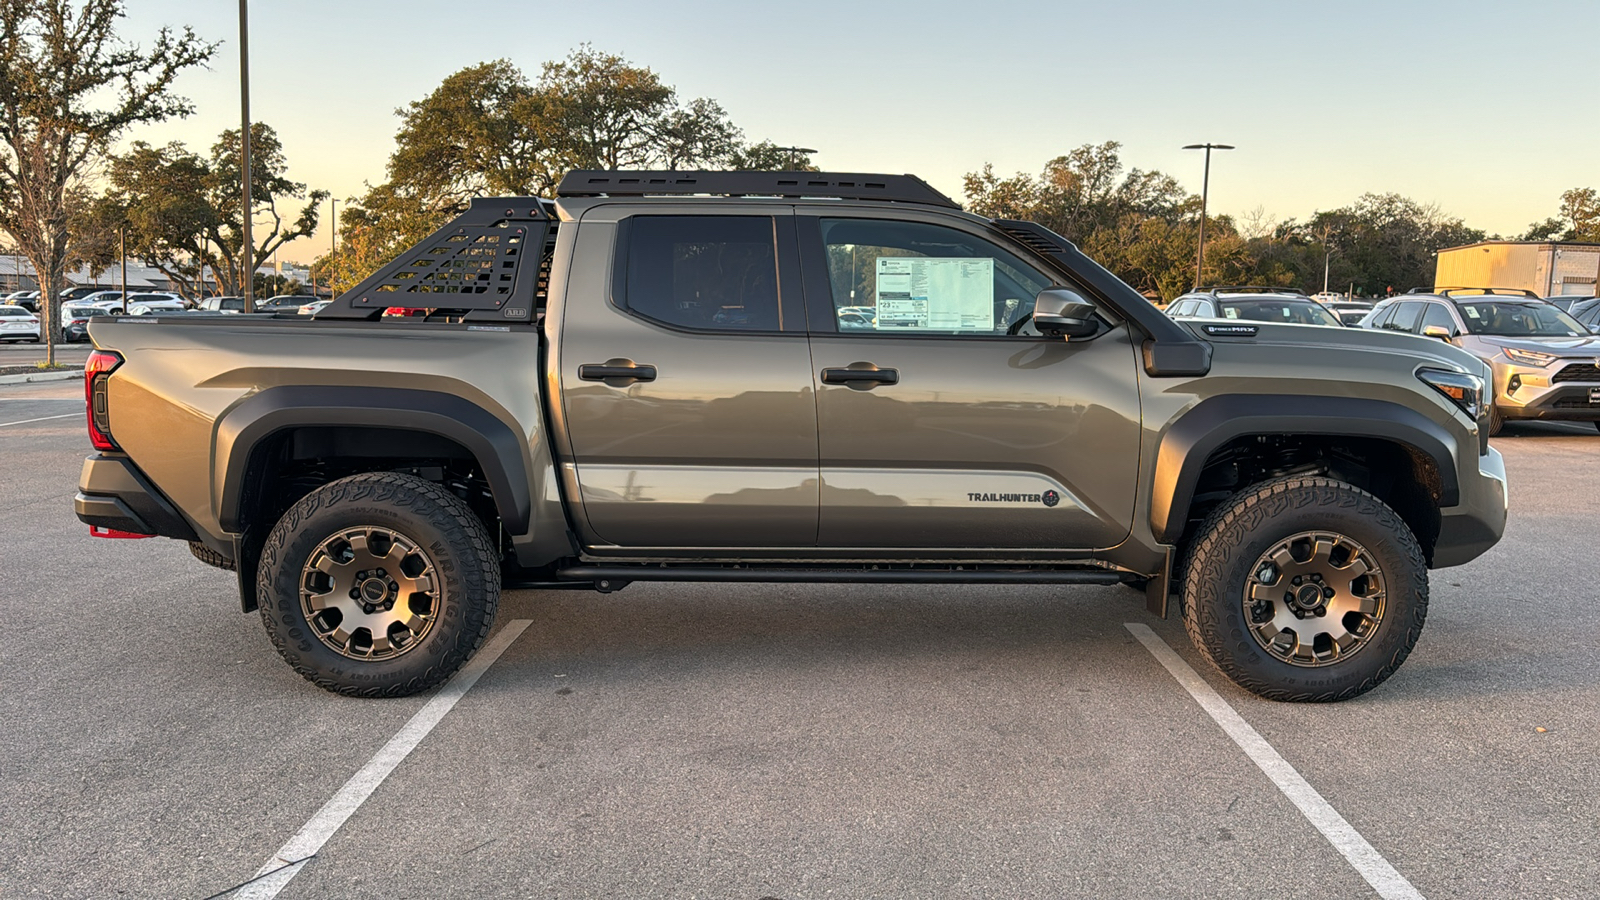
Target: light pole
247,267
1205,188
335,224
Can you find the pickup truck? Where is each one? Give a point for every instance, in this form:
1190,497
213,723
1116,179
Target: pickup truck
787,377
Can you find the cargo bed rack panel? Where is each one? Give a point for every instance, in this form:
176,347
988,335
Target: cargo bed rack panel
484,263
830,185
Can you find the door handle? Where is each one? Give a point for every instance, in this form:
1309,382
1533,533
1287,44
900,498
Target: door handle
861,376
624,370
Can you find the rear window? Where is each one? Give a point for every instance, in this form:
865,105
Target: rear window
13,311
707,273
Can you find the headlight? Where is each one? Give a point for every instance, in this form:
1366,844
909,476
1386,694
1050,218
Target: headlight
1529,357
1465,391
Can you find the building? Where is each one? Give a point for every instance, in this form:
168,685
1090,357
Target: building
1548,268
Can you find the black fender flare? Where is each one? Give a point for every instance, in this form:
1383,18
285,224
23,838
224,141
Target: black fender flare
1213,422
500,450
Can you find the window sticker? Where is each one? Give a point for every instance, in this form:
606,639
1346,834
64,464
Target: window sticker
935,294
1471,311
1231,312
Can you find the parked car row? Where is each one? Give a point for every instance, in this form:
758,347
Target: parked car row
1544,357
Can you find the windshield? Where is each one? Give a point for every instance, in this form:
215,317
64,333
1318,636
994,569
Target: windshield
1518,320
1288,312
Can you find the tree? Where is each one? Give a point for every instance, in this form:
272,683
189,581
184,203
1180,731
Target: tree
180,211
1578,219
69,86
487,130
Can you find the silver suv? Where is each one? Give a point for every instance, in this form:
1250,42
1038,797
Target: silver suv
1285,306
1546,364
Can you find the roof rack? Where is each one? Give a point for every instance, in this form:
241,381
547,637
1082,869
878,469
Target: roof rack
1491,292
1248,289
835,185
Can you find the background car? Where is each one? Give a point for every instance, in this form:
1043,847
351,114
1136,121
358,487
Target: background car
283,303
1350,312
149,304
1565,302
1587,313
314,307
1545,364
77,293
1256,304
226,303
17,323
75,321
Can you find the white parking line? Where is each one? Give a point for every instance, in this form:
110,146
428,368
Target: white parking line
43,419
292,856
1389,884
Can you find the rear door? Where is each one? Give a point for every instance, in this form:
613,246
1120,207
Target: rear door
686,379
945,422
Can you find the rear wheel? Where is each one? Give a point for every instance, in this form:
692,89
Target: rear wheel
378,585
1306,589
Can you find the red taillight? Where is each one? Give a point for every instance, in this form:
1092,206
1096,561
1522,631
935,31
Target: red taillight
95,374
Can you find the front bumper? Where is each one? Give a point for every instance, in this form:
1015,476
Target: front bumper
114,494
1548,392
1478,521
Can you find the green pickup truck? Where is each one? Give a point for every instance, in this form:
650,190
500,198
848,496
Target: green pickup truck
787,377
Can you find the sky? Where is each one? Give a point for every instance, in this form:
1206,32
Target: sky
1481,108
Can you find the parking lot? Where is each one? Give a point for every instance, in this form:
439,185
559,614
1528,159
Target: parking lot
787,741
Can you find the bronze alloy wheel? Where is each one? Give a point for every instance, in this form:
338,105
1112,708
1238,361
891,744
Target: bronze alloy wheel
369,593
1314,599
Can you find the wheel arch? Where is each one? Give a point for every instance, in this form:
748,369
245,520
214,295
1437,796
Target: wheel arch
1190,443
247,431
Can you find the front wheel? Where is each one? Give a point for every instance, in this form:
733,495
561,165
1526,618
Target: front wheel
378,585
1306,589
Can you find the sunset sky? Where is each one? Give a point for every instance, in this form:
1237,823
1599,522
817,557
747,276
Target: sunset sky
1481,108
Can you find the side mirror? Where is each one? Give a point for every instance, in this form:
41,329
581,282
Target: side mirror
1059,312
1437,331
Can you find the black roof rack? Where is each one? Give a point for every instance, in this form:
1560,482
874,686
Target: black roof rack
1248,289
839,185
1489,292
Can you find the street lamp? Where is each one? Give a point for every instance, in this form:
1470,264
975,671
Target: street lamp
247,268
1205,187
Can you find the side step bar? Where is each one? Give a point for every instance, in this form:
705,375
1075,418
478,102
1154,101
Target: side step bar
614,578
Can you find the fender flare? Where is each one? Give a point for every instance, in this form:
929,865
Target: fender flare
500,450
1213,422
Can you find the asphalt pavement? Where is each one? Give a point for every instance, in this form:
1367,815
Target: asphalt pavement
784,741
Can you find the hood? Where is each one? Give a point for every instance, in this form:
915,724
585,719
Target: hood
1586,347
1318,340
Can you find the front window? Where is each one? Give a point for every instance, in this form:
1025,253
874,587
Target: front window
1518,320
911,278
1284,312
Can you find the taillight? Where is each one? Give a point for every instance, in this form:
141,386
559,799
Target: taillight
96,372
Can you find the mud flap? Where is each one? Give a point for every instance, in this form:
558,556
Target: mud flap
1158,590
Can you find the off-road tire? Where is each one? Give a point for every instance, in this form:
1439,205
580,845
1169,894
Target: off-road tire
210,557
1230,544
466,566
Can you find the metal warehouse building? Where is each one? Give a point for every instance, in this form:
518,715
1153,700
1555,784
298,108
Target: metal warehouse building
1547,268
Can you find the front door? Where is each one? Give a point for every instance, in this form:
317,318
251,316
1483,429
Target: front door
944,421
686,382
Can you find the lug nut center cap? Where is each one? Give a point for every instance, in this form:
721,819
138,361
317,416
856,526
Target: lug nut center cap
375,590
1308,596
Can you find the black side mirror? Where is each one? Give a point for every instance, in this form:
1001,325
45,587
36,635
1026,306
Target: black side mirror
1059,312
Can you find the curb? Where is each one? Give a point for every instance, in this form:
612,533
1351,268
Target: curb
30,377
